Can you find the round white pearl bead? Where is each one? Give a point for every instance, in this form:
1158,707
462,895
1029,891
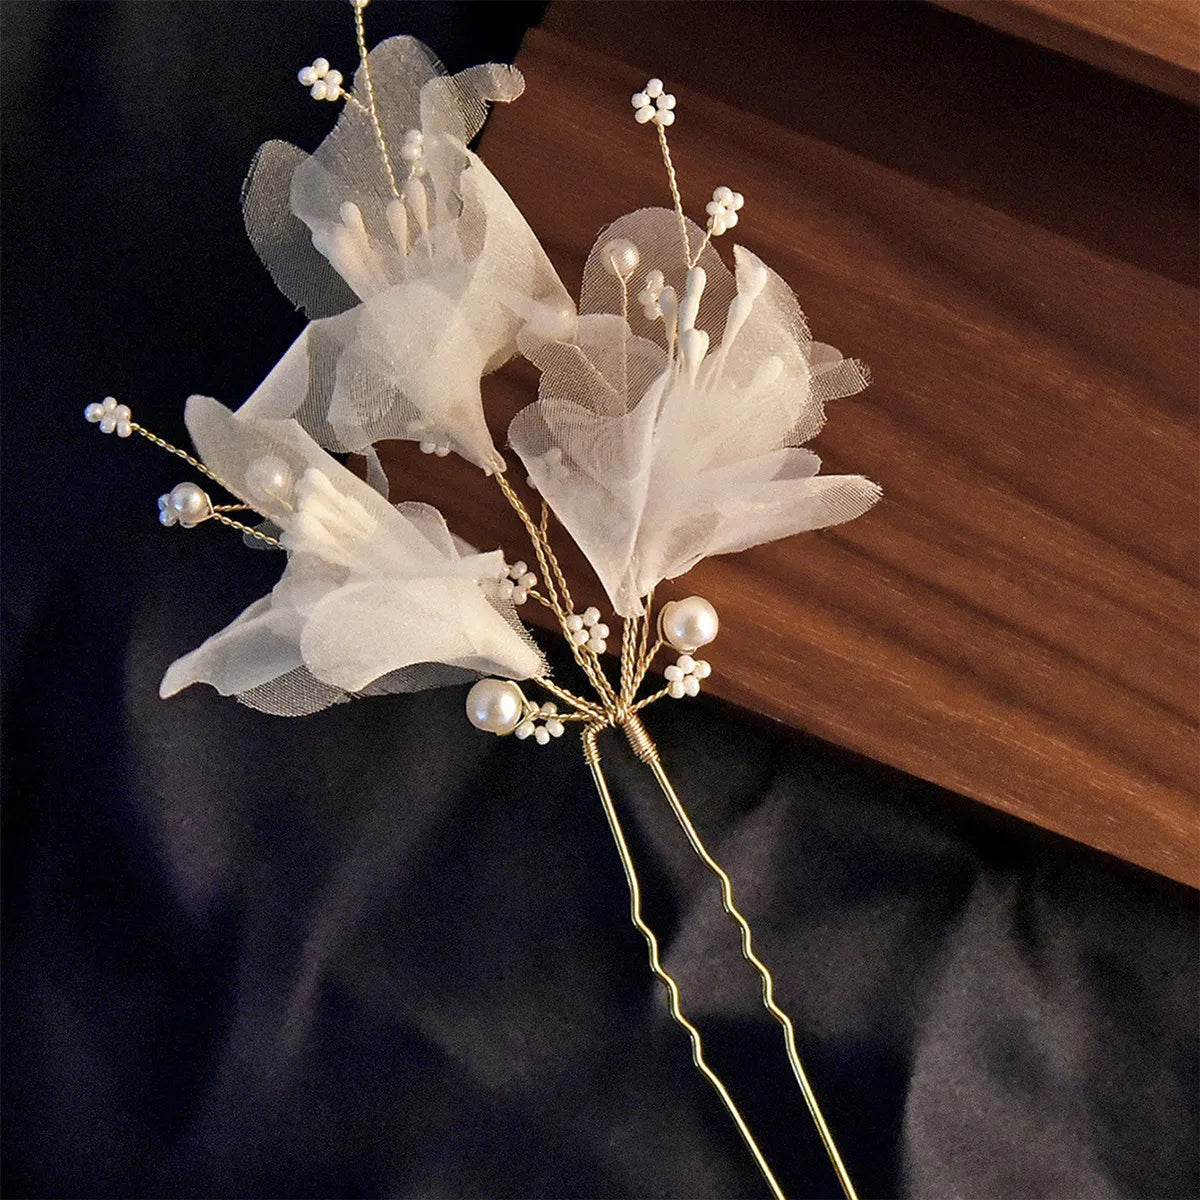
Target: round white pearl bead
495,705
688,624
620,258
271,476
190,503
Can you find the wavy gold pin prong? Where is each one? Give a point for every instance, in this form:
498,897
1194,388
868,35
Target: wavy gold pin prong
591,753
768,982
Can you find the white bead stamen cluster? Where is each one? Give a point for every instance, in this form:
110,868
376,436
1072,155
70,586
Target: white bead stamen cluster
683,676
186,504
520,582
653,104
322,81
428,446
110,416
542,724
412,150
651,294
588,630
723,209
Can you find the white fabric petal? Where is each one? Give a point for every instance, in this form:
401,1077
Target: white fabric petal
360,632
444,267
374,598
675,432
256,647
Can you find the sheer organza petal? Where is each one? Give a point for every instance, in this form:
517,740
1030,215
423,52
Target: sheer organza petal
422,277
256,647
668,431
374,597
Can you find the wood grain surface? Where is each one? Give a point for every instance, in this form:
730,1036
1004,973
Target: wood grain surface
1153,42
1010,240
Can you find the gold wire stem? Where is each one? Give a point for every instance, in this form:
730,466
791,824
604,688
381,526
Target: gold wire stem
582,706
592,754
541,600
361,37
647,658
646,701
666,154
768,982
162,444
629,637
544,530
254,533
645,636
587,661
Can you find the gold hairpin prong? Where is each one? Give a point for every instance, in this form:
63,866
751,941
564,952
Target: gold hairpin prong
591,754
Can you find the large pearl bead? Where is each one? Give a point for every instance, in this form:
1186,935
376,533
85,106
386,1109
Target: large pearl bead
495,705
688,624
620,258
190,503
271,476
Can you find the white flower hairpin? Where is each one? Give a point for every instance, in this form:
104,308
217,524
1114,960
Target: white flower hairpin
670,425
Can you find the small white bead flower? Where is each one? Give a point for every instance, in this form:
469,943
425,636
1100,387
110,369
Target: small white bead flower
110,416
322,81
518,584
683,676
588,630
653,104
650,295
541,725
723,209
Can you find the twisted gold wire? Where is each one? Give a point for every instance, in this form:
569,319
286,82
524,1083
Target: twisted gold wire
162,444
246,529
550,570
583,706
646,701
361,38
666,154
629,636
592,754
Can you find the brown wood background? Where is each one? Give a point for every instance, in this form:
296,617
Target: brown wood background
1009,238
1155,42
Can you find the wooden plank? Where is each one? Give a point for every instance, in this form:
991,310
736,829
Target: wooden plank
1152,42
1017,619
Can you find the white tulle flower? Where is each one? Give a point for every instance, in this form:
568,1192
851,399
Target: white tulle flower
678,435
374,598
418,270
